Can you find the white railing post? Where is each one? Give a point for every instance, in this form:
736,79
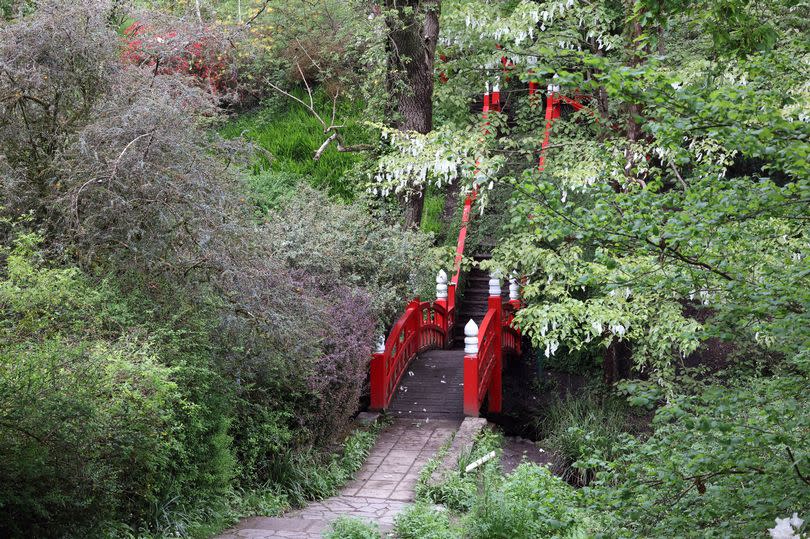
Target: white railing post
514,289
471,338
494,284
441,285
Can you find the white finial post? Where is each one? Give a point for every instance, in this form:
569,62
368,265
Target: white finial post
514,289
380,345
471,338
441,285
494,284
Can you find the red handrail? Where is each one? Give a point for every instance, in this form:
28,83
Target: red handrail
482,370
460,244
423,326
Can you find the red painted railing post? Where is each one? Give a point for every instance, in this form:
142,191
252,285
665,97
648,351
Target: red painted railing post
415,325
378,368
471,401
442,296
494,302
495,103
541,165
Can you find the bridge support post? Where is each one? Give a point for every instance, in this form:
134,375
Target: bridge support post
471,402
495,390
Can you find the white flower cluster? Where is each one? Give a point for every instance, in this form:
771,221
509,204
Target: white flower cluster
440,157
787,528
520,25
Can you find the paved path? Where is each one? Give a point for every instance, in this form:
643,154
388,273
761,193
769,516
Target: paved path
382,488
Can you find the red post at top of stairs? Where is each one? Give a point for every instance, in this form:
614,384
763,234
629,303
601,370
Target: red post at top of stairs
552,112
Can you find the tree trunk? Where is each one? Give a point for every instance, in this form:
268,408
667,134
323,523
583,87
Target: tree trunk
634,109
617,362
413,30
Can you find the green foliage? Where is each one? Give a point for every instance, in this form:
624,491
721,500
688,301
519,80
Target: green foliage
94,424
528,503
290,135
457,490
729,459
341,245
421,521
302,476
352,528
432,212
584,428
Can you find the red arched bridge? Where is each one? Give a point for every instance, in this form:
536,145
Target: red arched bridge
417,371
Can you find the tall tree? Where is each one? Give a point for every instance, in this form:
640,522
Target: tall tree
413,31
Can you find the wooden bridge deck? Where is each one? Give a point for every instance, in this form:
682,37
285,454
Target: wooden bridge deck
432,388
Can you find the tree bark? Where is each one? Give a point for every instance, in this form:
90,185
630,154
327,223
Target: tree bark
634,109
617,362
413,30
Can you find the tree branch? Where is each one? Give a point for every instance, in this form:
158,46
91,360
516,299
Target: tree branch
796,466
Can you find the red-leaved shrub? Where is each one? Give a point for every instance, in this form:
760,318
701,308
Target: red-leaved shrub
200,52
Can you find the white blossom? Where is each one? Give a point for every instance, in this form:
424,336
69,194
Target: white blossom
787,528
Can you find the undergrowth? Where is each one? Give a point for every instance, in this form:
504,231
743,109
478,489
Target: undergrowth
577,427
422,521
303,477
352,528
457,490
432,211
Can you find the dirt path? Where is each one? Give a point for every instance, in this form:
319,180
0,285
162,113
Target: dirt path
382,488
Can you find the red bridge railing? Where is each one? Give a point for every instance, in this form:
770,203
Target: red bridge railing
484,349
427,325
423,326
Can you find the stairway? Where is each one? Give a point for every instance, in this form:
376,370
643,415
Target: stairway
474,301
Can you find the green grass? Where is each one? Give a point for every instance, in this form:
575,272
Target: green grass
458,490
291,134
575,427
432,212
422,521
352,528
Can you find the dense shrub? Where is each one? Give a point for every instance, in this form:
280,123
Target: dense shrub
529,503
344,245
183,48
93,425
230,355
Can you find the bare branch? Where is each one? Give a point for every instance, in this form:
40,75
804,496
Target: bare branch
326,143
309,90
677,175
